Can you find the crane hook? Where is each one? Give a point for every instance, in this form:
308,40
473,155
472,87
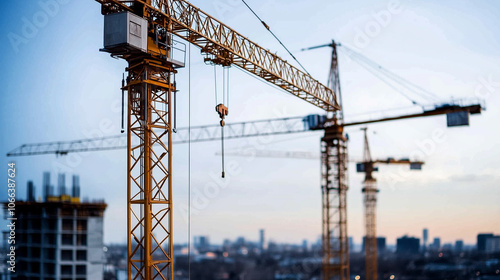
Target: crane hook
223,112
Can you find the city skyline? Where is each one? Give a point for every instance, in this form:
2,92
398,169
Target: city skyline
55,190
38,191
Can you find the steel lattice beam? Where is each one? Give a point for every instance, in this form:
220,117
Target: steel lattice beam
198,134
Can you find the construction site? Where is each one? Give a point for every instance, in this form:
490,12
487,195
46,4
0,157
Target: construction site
250,140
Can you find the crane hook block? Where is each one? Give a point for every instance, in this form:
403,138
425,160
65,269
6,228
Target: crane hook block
222,111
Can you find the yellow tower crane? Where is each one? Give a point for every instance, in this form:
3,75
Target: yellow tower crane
142,33
334,184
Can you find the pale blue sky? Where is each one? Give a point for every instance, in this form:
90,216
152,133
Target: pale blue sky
58,86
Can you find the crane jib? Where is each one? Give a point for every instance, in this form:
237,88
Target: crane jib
223,45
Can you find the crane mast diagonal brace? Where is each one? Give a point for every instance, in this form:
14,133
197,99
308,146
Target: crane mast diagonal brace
224,46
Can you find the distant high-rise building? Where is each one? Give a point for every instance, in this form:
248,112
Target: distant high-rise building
459,246
31,191
47,188
381,244
351,244
60,238
492,244
436,244
407,245
481,241
61,184
201,243
305,246
261,240
425,236
75,189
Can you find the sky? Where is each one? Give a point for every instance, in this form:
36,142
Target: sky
58,86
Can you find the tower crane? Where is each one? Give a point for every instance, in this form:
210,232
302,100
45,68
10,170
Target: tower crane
370,191
142,33
334,184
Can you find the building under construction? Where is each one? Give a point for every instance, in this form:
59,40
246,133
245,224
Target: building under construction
59,237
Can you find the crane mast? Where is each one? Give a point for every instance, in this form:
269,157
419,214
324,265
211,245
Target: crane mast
149,187
334,186
370,201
